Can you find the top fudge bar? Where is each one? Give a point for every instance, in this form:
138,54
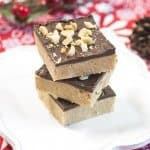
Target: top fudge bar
72,48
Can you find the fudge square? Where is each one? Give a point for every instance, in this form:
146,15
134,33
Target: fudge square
73,48
81,90
67,113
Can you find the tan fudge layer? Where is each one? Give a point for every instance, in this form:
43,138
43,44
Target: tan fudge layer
78,113
71,92
70,70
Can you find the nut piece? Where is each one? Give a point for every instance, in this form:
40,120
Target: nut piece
88,40
67,33
67,41
48,35
84,47
84,32
43,30
89,25
78,42
72,51
71,26
90,47
54,37
50,45
63,50
59,26
54,55
68,27
73,43
84,77
74,25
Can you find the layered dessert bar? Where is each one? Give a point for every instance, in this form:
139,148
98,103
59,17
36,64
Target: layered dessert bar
82,90
67,113
74,48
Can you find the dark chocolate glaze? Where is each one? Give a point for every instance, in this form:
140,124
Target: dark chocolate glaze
43,72
66,105
102,46
88,84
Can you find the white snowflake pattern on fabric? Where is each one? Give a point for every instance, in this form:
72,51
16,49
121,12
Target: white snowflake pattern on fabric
27,39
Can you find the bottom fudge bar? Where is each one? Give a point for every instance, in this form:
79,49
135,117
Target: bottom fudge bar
84,92
67,113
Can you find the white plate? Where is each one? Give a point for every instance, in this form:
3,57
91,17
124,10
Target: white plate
23,115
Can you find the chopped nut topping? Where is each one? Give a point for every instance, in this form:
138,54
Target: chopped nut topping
84,40
54,55
43,30
68,27
97,93
50,45
89,25
63,50
59,26
71,26
54,36
72,51
48,35
84,32
91,47
83,77
74,25
73,43
67,41
88,40
67,33
84,47
78,42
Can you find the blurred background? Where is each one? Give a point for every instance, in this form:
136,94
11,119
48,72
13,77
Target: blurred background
17,19
129,19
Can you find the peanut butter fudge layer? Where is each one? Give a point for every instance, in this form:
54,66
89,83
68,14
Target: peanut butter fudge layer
73,48
82,90
67,113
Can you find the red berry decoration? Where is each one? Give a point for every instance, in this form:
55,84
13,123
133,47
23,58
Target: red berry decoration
20,11
1,3
54,4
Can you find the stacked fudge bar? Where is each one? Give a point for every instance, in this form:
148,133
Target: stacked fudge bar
78,63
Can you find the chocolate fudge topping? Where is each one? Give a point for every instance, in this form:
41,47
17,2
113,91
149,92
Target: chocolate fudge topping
140,38
66,105
101,47
88,84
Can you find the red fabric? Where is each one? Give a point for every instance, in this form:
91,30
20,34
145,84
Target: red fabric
118,15
8,147
1,141
4,145
109,12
